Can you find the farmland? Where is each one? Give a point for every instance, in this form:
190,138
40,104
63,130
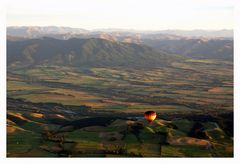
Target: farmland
98,111
192,86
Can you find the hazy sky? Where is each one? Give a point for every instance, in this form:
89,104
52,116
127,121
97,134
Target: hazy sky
125,14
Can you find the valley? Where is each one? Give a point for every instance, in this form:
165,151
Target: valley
85,96
191,86
98,112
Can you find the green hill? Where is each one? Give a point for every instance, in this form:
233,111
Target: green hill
84,52
195,48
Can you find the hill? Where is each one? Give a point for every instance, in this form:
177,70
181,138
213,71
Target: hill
84,52
195,48
48,130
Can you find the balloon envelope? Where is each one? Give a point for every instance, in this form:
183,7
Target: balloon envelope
150,115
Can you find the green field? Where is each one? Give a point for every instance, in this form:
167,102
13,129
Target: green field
186,85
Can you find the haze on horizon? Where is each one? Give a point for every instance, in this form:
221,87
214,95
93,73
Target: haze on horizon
125,14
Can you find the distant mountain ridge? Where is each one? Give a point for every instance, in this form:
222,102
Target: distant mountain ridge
65,32
36,31
201,33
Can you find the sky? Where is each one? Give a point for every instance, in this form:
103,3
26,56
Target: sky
123,14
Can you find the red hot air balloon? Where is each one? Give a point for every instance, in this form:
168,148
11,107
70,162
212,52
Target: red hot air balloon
150,116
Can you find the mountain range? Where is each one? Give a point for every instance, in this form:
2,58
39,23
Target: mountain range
195,48
40,31
84,52
80,47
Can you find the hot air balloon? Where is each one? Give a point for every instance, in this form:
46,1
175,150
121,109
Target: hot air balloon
150,116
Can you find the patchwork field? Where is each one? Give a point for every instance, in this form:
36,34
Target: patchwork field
79,111
195,85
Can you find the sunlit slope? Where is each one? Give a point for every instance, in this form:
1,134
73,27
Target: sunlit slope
49,133
84,52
